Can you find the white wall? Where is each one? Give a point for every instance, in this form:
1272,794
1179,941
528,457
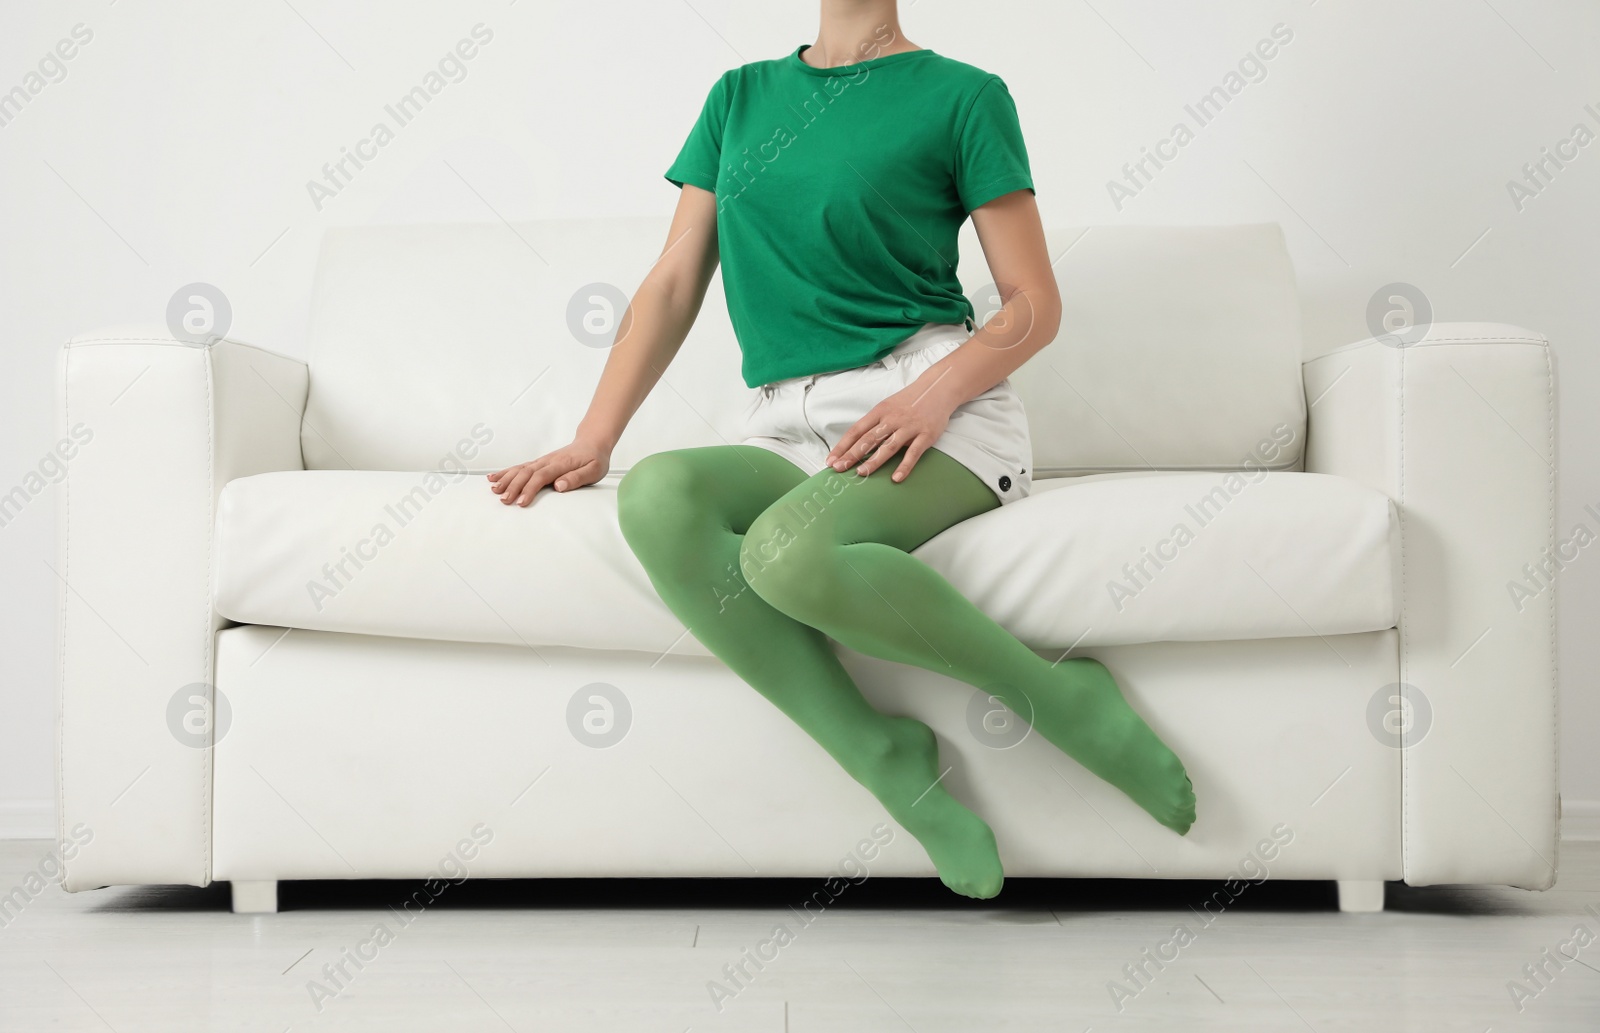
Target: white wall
178,146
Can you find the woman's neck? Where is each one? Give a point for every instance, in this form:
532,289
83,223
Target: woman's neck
857,30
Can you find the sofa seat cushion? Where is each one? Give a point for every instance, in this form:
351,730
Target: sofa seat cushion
1092,560
1149,556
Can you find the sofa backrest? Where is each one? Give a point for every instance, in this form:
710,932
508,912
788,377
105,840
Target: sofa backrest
1179,349
477,346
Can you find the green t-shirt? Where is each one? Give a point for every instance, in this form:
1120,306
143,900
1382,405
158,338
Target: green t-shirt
840,192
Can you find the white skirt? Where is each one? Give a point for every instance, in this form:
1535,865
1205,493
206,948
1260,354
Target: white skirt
802,417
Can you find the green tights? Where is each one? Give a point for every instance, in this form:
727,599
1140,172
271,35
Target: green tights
764,564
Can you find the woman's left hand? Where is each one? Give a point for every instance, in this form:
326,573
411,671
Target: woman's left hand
910,419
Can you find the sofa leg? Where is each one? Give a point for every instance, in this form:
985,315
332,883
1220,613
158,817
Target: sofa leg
255,898
1360,895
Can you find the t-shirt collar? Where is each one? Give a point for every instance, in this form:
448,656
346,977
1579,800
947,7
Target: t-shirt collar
796,61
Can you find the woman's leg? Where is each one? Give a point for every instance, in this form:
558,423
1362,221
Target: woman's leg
844,568
685,513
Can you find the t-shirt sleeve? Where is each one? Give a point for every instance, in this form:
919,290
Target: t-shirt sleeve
991,159
701,156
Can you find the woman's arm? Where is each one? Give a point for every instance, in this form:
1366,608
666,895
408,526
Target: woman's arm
651,330
1013,242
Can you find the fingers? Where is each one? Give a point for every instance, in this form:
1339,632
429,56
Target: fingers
517,485
517,488
913,453
563,470
500,478
549,472
885,451
507,477
841,448
875,434
576,477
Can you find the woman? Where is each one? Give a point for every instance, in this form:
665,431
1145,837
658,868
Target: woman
831,185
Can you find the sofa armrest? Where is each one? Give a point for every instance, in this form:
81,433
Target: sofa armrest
151,430
1460,430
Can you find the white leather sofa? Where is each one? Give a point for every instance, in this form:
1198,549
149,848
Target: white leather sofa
411,678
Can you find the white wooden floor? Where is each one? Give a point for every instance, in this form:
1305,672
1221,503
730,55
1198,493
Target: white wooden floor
887,956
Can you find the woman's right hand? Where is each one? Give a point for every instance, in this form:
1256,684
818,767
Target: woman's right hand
566,468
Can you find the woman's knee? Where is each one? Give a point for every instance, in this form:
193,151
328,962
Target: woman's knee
655,497
794,567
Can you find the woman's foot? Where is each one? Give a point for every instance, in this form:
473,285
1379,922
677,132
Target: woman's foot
906,778
1091,722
